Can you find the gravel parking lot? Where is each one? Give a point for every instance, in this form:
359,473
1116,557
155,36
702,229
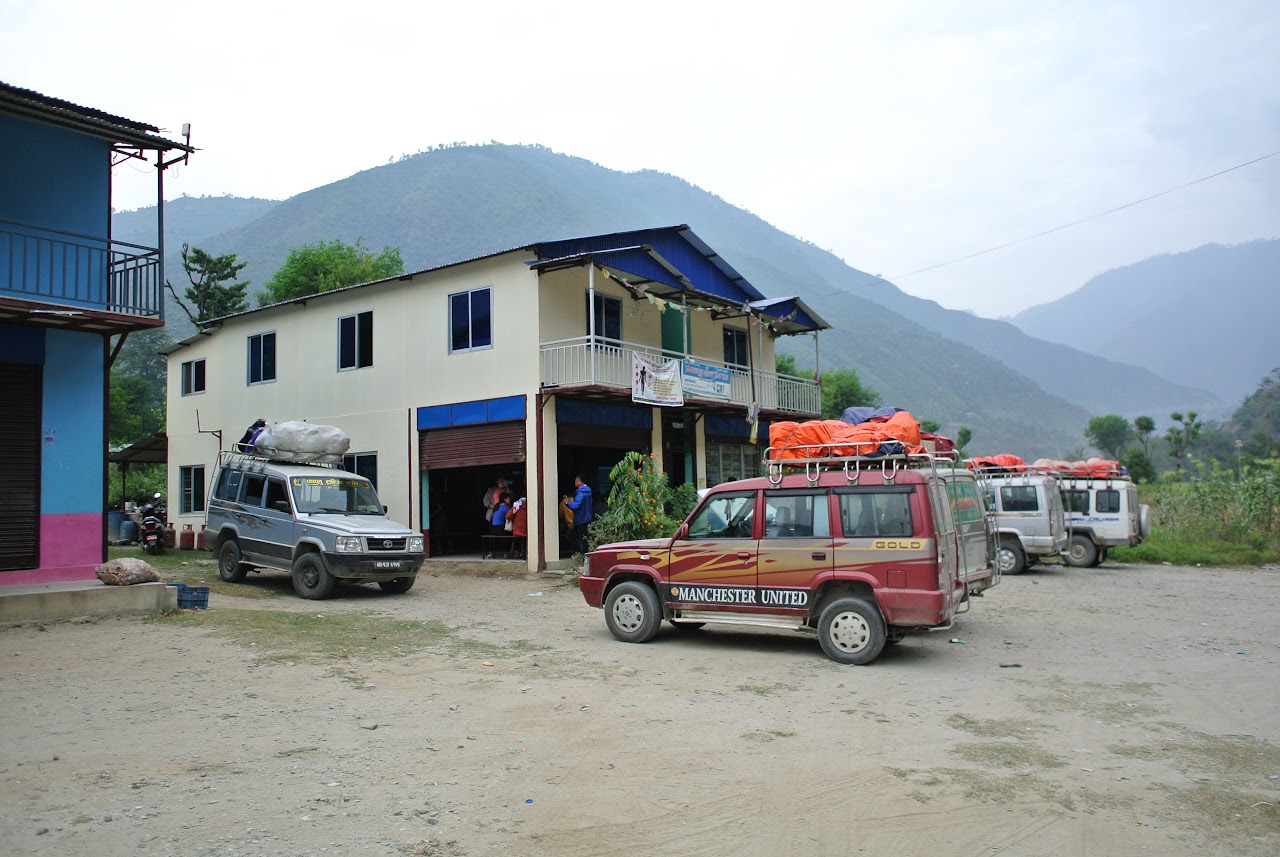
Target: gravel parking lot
1109,711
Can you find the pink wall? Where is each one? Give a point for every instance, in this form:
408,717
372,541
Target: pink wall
71,547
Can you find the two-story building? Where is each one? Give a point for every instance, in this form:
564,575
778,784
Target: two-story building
66,288
536,363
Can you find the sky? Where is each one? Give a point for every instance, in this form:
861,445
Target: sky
900,136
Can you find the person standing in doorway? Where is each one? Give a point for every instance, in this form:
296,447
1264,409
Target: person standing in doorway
491,498
519,517
580,503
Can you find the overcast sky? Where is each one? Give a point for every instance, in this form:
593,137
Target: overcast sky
898,135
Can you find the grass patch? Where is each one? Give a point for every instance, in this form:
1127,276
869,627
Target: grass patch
1012,728
198,568
1008,754
766,689
278,635
989,787
1175,549
1097,701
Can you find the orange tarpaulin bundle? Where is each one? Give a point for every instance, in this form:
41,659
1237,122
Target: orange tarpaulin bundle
1091,468
1003,461
833,438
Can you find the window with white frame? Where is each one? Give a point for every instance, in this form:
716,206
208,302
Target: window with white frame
193,377
362,464
608,312
355,341
471,320
735,347
191,489
262,358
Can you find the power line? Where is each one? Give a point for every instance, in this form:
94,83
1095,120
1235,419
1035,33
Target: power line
1081,220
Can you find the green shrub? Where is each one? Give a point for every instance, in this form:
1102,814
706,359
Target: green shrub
637,498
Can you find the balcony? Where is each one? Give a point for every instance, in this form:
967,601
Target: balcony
79,274
577,362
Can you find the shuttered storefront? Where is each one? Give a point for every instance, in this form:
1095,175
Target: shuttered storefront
472,446
20,442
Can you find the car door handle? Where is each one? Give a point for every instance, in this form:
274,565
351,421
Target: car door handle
820,555
745,556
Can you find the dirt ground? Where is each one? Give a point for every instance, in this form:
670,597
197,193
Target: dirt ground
1113,711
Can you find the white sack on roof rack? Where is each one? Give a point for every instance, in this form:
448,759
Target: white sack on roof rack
298,441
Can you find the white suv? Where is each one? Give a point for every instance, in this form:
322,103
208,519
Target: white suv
1102,511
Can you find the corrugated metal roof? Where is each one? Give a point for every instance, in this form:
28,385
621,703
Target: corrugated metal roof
30,104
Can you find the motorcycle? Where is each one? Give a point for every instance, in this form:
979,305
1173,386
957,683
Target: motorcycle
153,527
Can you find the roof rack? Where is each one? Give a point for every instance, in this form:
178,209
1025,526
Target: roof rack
817,459
261,456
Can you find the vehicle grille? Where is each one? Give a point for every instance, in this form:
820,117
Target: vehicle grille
377,544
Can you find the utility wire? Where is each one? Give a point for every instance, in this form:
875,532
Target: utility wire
1081,220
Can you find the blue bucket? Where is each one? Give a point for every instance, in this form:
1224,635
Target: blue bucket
128,530
114,519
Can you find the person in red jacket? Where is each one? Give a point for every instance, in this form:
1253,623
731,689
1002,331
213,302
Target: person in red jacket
519,518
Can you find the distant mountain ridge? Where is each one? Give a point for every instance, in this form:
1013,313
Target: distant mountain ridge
461,202
1207,316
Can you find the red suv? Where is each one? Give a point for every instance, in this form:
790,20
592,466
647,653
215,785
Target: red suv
860,555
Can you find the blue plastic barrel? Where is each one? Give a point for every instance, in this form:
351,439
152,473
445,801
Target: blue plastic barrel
114,518
128,530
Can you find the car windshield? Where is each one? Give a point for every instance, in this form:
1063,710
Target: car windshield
334,495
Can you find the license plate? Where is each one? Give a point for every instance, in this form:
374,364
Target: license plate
382,563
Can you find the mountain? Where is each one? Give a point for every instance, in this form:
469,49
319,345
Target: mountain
465,201
192,218
1206,317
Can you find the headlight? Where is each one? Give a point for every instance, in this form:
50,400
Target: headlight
415,544
586,567
349,544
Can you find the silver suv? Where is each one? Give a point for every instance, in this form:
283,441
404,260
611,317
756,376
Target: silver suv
1029,518
322,524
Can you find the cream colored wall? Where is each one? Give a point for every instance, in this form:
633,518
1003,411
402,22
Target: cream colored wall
412,367
563,310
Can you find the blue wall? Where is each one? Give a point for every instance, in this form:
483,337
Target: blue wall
72,446
54,178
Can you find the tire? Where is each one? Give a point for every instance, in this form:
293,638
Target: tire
632,612
231,567
1081,552
399,585
686,627
851,631
311,579
1102,557
1009,557
1144,521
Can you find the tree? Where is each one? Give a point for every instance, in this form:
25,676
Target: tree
210,291
328,265
842,389
930,426
963,435
1109,434
1180,437
785,364
1144,427
1139,465
136,409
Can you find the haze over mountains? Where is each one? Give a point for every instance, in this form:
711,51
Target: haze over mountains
1018,393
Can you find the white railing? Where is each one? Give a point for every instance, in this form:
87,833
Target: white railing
578,362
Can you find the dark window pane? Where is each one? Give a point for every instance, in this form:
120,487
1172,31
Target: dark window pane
481,319
1108,502
459,322
255,359
197,384
268,356
365,338
347,342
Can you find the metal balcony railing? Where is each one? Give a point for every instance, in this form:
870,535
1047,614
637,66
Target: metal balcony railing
605,362
79,270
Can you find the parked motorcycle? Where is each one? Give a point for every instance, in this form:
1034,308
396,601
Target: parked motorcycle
153,527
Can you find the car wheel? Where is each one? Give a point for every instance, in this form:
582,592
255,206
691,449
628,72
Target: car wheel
1144,522
1081,553
311,579
231,567
851,631
1102,557
632,612
686,626
1010,559
398,586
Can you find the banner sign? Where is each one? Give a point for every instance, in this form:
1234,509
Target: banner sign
707,382
655,382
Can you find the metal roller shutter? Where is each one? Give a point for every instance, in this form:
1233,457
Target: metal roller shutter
472,446
20,440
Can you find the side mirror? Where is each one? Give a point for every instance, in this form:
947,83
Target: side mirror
384,510
682,533
281,506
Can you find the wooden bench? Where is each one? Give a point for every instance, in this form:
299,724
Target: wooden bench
489,545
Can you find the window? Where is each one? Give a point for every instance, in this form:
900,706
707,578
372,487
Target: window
355,341
471,320
255,485
277,493
966,508
1108,502
735,347
362,464
193,377
191,486
262,358
1019,498
1076,501
792,515
608,317
729,461
228,487
725,516
867,514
